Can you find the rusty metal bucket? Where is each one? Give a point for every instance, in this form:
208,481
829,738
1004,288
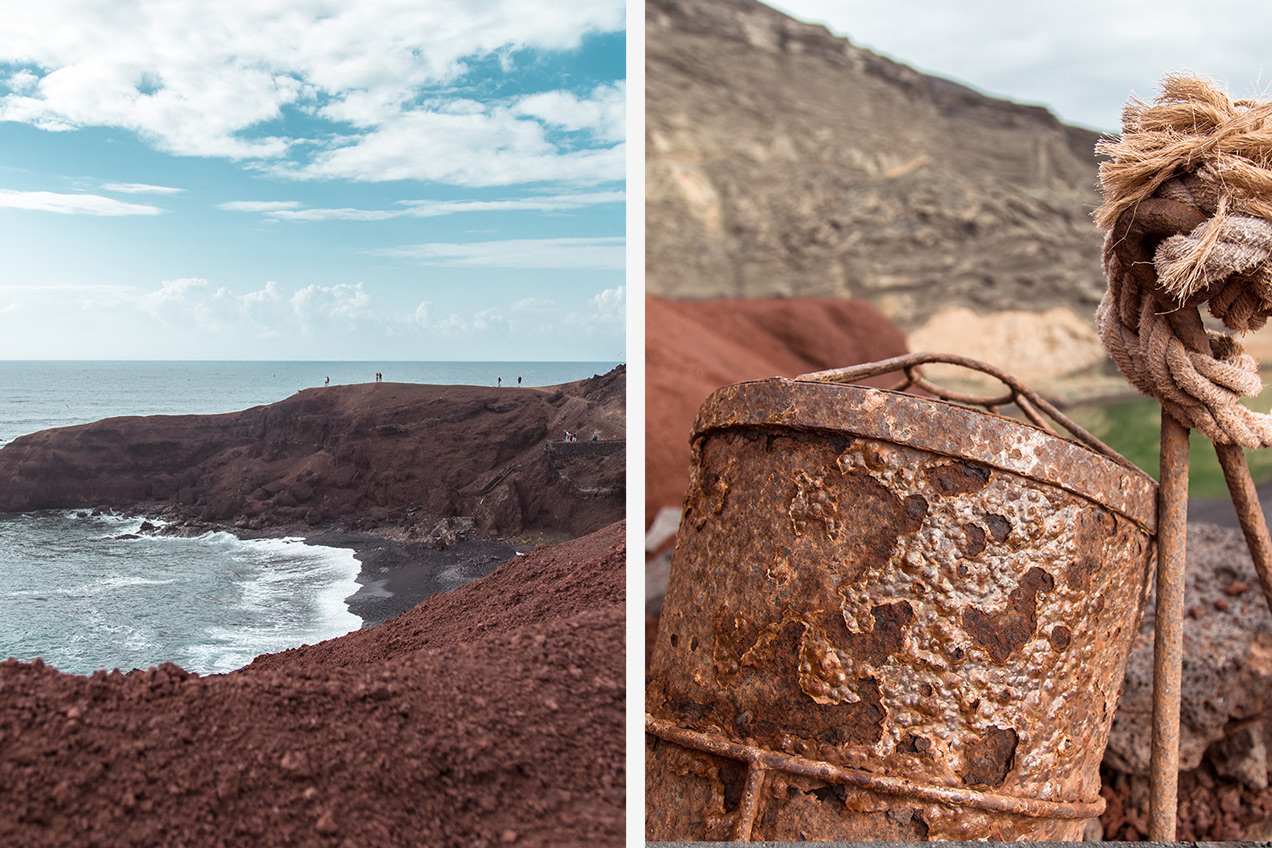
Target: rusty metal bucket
892,617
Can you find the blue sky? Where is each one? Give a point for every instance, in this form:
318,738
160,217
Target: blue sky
1080,58
312,179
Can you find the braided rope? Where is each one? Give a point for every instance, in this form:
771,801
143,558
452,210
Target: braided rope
1197,148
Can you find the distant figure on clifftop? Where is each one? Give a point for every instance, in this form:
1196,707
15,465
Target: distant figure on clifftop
499,382
326,381
518,381
378,376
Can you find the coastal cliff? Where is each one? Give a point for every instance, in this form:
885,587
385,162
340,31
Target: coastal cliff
364,456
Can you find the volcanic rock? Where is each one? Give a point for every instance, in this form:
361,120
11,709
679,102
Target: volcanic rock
369,455
496,709
1225,721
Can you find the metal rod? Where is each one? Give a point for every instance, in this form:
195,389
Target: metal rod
713,743
750,805
1018,389
1249,512
1168,636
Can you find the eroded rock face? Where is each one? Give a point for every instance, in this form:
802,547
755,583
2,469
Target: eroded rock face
367,455
784,161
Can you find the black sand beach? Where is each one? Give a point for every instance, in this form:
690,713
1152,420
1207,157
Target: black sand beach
397,575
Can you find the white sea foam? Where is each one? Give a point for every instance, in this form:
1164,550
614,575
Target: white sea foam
86,595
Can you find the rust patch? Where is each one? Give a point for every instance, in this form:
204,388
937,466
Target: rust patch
990,758
1060,637
813,502
1000,634
999,527
789,711
877,516
1092,528
973,540
734,637
916,509
887,637
707,499
913,744
958,477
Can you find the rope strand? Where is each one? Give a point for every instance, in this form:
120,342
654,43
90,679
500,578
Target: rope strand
1193,146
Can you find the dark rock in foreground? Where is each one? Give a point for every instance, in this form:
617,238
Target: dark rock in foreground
369,455
1225,722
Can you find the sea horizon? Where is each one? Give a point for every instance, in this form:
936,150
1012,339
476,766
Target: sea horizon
41,394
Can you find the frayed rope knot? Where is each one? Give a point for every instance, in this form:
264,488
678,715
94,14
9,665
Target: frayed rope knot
1196,150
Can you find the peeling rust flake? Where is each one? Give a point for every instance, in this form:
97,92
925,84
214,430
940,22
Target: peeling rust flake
990,758
958,478
1001,634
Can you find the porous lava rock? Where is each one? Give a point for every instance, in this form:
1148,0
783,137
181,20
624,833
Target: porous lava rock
1225,722
360,456
490,715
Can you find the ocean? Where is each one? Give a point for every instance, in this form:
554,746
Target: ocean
88,592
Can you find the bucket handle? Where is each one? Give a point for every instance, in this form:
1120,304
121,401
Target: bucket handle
1026,399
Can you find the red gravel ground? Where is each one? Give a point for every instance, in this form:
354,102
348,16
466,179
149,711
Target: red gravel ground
490,715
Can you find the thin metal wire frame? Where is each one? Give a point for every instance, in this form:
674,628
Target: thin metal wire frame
761,761
1026,399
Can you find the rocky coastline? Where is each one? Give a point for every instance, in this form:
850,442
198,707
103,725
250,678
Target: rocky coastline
481,703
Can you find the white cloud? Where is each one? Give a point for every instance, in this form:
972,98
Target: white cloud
605,253
266,206
546,203
345,214
611,304
604,113
268,312
140,188
72,204
218,78
494,146
288,210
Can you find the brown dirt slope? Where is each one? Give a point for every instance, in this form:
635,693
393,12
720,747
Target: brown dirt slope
474,719
693,348
363,456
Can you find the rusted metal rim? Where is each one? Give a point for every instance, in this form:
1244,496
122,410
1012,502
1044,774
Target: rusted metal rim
936,426
1029,401
955,796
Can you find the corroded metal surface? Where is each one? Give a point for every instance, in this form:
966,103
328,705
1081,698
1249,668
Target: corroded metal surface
890,618
936,426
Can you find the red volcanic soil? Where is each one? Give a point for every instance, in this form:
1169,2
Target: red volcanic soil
693,348
362,456
490,715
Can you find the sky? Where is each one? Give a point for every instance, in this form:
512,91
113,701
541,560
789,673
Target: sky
1080,58
313,180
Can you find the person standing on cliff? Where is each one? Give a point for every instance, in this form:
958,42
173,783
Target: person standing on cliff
499,382
518,382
